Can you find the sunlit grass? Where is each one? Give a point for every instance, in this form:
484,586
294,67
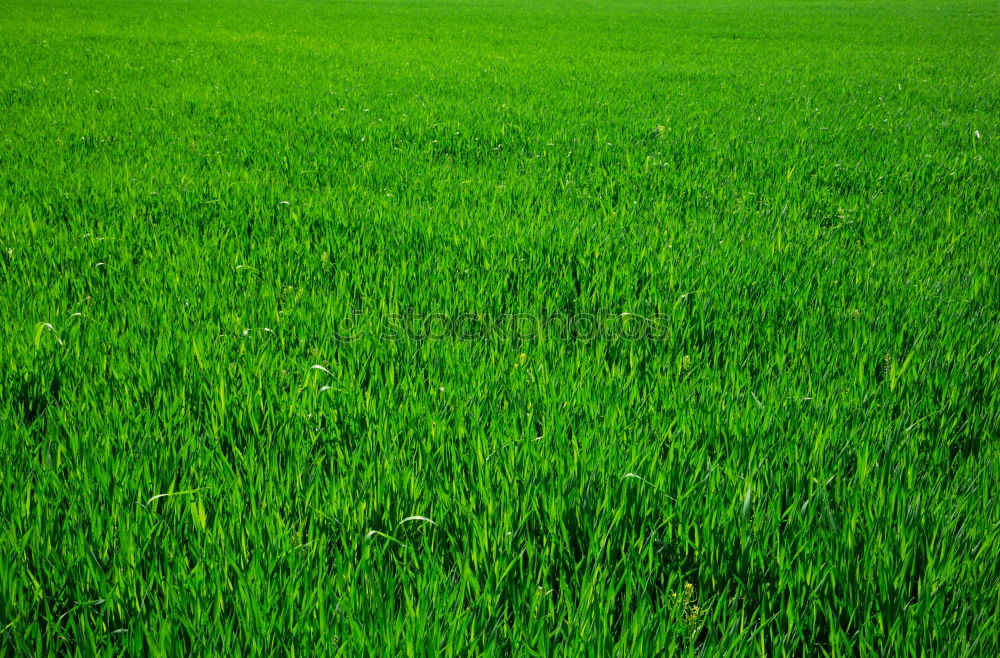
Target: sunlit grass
263,389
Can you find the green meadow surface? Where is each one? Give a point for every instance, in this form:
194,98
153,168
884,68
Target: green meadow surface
781,441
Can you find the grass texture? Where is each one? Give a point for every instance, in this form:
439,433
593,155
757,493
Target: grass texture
535,328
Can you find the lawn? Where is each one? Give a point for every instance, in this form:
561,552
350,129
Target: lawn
527,327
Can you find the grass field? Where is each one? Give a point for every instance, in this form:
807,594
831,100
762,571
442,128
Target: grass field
607,328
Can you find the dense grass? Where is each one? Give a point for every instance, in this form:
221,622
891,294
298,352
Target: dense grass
797,201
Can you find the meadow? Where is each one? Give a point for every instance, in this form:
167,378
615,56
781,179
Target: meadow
529,327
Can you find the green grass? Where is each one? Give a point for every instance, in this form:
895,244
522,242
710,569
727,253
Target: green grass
797,201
